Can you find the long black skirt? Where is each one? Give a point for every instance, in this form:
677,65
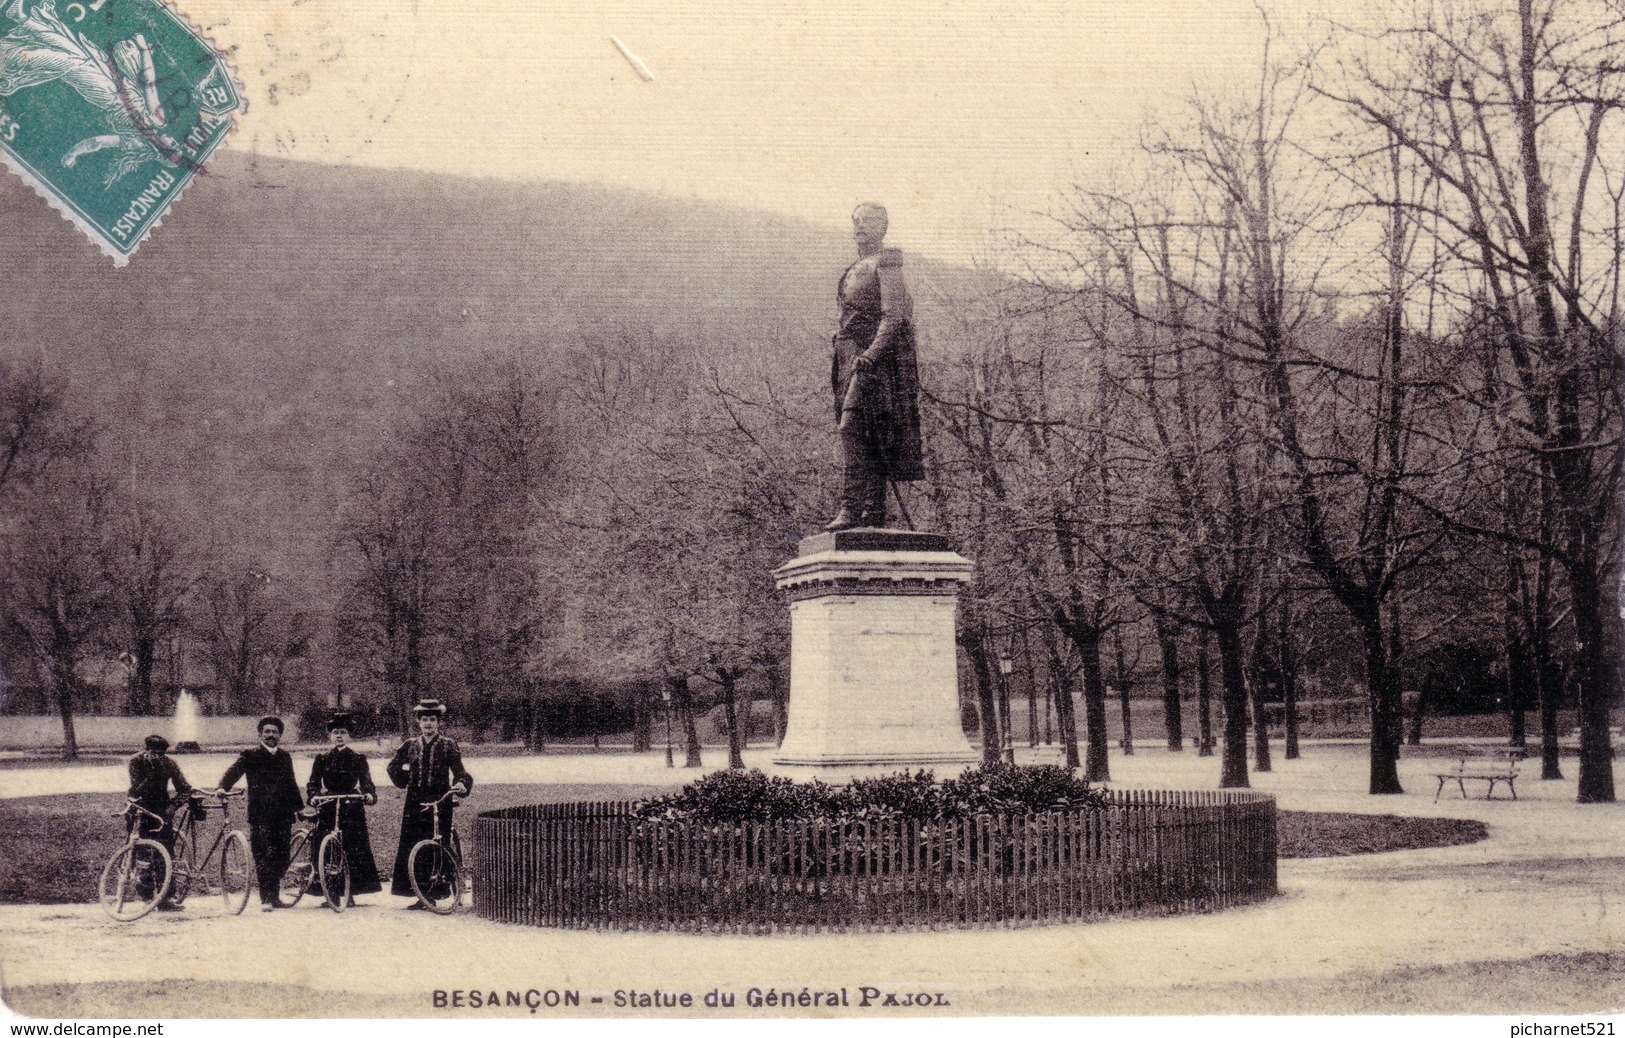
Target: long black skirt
357,850
416,824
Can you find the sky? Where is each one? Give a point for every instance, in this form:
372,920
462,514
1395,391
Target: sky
960,115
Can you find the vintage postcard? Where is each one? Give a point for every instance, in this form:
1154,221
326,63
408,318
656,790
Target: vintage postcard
812,512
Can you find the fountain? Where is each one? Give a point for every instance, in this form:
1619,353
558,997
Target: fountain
186,723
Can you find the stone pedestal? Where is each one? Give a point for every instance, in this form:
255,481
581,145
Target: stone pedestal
873,667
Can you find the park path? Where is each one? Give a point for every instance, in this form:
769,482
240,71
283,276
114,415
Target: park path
1547,881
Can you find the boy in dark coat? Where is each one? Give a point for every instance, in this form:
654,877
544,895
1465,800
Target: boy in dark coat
152,772
273,801
427,767
343,770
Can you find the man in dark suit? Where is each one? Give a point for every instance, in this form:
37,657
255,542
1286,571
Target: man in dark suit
428,768
273,801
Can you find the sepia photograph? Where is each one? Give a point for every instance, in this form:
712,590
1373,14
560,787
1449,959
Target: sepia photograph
863,513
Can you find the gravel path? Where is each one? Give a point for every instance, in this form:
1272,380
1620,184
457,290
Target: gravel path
1546,882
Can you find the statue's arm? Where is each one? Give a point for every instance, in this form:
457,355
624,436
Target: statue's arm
896,306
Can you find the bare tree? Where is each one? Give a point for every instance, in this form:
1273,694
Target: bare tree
58,598
152,573
237,614
1511,109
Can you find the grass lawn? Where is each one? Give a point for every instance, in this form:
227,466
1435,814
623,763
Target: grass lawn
1325,834
54,847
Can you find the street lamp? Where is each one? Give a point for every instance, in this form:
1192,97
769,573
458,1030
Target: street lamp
1005,666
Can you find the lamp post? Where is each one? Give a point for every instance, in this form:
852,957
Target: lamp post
1005,666
665,697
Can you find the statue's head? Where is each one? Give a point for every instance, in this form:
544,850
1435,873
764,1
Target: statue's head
869,223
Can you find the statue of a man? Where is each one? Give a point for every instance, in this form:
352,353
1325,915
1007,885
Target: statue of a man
874,376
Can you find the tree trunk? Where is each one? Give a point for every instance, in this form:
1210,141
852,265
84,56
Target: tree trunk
1547,693
642,720
65,683
729,680
1386,709
1168,643
1596,685
1550,767
1261,731
1061,689
1232,670
1258,686
1204,700
1413,737
1127,742
146,654
1096,767
685,713
1289,678
986,702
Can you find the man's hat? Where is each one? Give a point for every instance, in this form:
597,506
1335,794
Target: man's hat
343,719
157,742
277,721
429,706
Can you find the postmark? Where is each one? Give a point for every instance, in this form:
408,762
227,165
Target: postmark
108,109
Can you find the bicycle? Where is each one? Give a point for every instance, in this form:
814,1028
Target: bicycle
230,845
332,866
301,866
138,875
435,865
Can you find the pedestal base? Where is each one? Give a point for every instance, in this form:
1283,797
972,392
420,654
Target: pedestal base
873,665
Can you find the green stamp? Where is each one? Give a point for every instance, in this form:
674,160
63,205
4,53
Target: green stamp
109,108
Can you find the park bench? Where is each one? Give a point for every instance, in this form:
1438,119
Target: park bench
1490,764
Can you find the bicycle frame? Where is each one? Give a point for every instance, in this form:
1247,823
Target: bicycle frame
444,838
189,866
443,842
125,865
188,828
336,895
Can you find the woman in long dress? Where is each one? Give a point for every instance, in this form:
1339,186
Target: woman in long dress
343,770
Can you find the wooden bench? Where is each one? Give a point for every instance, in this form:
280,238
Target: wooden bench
1490,764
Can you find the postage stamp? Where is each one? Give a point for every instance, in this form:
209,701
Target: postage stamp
109,108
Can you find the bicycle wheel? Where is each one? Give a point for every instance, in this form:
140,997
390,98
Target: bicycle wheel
236,872
180,863
334,869
296,880
433,872
135,880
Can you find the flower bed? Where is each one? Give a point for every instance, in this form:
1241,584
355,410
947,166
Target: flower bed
965,856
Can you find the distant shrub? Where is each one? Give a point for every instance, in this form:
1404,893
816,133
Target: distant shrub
1011,788
916,796
750,796
742,796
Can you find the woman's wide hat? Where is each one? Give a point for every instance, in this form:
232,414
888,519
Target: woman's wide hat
429,706
343,719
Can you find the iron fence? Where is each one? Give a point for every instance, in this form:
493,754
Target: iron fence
597,866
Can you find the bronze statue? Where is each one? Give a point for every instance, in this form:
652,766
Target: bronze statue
874,376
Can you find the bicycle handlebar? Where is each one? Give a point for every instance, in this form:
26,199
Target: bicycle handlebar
451,794
131,804
328,798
